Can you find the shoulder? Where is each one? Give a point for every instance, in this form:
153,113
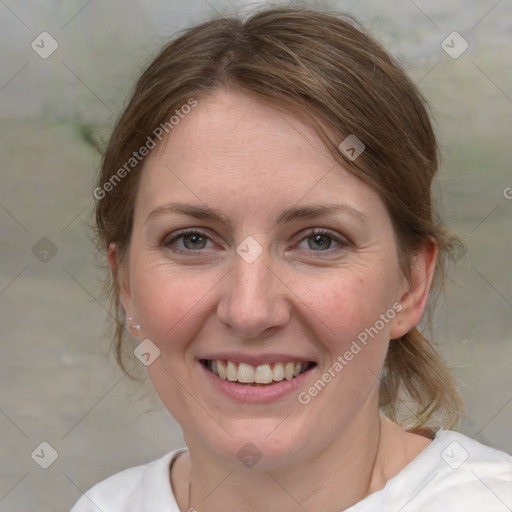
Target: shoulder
469,475
463,457
453,473
141,488
463,474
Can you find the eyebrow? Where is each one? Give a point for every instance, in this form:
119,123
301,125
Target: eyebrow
310,211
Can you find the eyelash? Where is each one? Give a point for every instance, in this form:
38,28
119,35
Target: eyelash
342,242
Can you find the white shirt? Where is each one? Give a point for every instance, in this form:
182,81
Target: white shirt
453,474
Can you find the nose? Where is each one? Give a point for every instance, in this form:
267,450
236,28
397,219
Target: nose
254,302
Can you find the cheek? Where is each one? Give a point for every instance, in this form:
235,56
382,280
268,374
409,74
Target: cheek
351,318
173,307
343,306
169,303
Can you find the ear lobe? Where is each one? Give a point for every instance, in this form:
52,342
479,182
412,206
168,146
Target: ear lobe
119,276
416,290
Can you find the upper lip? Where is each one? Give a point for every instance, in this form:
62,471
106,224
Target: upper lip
255,359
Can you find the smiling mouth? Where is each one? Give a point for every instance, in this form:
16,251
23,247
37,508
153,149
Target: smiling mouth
264,374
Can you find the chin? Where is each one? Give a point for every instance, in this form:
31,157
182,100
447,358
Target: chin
257,444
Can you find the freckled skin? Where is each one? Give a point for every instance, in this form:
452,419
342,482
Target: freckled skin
251,162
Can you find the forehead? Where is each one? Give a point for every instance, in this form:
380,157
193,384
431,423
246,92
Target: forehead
235,150
231,126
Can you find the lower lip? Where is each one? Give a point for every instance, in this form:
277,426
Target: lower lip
255,394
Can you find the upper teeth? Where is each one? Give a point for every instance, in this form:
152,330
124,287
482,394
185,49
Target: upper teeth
262,374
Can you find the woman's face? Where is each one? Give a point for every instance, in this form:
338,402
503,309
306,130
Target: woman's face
251,246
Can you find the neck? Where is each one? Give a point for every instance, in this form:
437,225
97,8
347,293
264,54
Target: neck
340,475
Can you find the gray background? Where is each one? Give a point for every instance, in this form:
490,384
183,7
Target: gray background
58,383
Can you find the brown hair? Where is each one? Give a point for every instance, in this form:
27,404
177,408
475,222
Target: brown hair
328,71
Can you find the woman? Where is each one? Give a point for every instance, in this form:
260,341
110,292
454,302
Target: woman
265,201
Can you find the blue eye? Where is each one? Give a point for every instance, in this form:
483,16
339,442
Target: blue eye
322,241
187,241
319,242
195,241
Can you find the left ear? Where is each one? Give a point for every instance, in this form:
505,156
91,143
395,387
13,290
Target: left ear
415,290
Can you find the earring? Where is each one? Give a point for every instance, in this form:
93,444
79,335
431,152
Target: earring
130,325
